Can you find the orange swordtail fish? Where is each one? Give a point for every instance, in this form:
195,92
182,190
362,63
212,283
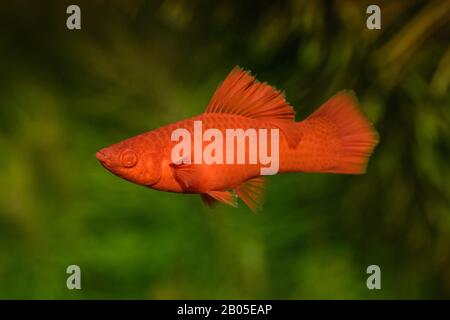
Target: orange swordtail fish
336,138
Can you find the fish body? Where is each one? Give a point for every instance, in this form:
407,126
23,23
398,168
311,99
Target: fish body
336,138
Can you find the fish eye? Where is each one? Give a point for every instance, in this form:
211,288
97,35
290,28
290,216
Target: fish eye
128,158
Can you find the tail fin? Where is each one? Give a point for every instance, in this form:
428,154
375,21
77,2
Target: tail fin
339,135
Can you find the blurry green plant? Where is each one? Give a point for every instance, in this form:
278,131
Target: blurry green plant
136,65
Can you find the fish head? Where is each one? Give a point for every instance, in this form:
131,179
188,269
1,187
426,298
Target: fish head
134,160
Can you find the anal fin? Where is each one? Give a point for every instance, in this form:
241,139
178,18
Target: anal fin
251,192
210,198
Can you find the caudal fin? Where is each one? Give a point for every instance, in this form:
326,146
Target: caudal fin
338,137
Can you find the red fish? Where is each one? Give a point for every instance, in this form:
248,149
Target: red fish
336,138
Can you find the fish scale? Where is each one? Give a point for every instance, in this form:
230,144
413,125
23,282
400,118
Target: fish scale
214,176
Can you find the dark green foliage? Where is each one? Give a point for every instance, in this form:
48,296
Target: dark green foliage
137,65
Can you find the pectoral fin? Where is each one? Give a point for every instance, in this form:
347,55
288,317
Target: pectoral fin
185,174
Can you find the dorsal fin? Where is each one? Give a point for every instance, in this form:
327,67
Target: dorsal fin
251,192
241,94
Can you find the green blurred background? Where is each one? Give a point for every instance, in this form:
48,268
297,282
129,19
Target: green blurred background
136,65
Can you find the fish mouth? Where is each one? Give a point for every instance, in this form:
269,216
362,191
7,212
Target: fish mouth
101,156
